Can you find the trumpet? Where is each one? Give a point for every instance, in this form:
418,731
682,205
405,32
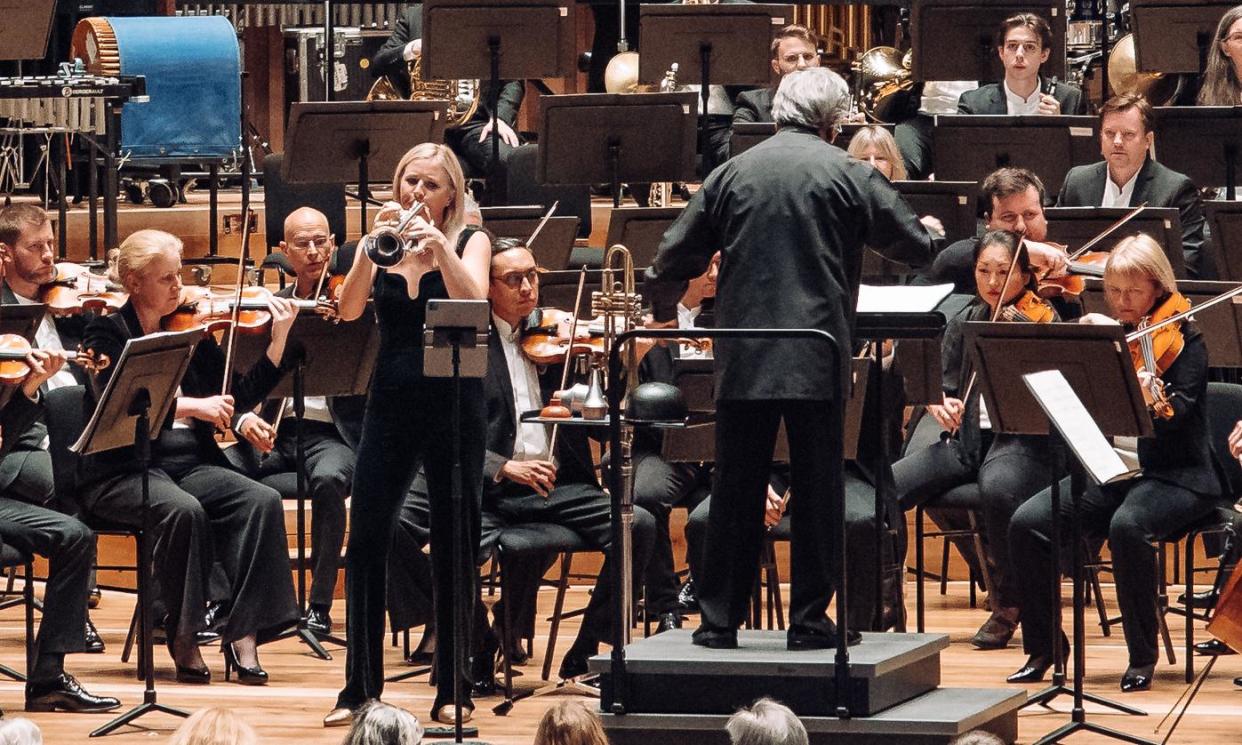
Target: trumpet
386,245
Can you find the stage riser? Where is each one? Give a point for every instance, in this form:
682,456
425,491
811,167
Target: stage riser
1006,730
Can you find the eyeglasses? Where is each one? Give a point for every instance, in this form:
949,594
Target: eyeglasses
513,280
1232,39
315,241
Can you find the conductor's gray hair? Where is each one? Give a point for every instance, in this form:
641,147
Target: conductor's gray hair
378,723
816,98
766,722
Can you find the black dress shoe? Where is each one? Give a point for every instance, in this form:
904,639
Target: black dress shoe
250,676
94,598
687,599
574,663
715,638
186,674
668,622
800,638
996,632
1237,682
1213,648
1033,671
1205,599
318,622
483,667
65,693
1137,679
94,644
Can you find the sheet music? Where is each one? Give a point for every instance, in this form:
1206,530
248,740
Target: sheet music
901,298
1079,430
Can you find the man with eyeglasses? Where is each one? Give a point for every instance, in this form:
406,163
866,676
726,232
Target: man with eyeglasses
331,428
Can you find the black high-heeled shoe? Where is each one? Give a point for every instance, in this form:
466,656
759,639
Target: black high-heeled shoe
250,676
186,674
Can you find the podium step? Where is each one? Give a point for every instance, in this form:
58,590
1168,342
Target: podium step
670,675
934,718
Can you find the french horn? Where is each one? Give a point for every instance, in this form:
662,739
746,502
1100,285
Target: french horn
463,95
884,74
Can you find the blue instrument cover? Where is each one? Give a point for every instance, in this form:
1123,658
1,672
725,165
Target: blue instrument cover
193,69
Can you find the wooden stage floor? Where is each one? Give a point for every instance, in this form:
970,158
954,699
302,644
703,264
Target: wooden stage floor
291,708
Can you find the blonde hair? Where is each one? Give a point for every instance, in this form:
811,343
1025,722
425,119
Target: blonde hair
1140,256
139,250
570,723
871,135
455,219
214,726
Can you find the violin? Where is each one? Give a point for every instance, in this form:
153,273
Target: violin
546,336
202,306
1072,284
74,289
1029,307
14,349
1154,347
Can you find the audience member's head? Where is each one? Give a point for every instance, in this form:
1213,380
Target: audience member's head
214,726
766,722
978,737
379,723
20,731
570,723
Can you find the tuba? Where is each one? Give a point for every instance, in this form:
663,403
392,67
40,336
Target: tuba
463,95
1124,77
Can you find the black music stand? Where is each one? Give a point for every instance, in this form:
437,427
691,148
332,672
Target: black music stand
26,28
640,229
131,413
967,147
1224,220
342,141
746,135
495,39
954,203
956,39
730,42
555,242
1174,36
1077,225
327,359
595,138
1096,362
1204,141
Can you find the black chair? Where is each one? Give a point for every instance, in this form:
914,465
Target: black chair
11,558
965,497
522,188
280,198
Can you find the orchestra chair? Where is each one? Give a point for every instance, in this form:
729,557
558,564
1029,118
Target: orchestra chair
280,198
966,497
521,187
11,558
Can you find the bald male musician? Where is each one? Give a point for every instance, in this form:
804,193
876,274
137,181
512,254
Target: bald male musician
790,217
331,428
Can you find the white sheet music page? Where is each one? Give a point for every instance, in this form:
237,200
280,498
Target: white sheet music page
901,298
1077,428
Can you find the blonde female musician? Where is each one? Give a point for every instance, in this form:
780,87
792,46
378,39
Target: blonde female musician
408,419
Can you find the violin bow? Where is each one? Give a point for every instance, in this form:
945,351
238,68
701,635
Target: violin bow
1107,231
235,313
542,221
569,351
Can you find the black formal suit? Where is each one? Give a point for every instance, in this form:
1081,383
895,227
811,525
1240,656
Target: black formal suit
68,545
753,106
329,450
203,510
27,469
790,218
1158,186
1178,485
990,99
464,140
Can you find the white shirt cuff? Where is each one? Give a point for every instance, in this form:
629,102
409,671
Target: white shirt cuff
412,49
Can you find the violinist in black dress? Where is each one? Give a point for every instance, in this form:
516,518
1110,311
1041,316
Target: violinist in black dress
204,511
1178,484
408,421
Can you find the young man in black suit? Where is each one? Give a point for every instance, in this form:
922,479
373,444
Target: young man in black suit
1129,176
1023,43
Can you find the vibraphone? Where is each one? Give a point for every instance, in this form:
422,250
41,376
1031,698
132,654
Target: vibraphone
365,15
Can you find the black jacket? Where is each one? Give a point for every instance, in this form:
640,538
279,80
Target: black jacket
753,106
990,99
390,61
790,217
1158,186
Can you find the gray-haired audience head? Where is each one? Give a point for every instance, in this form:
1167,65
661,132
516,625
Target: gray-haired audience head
766,722
20,731
816,98
378,723
978,737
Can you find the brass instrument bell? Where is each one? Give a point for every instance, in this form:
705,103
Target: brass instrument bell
885,73
1124,77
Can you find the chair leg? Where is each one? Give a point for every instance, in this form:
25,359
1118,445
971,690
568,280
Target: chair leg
1190,611
1162,604
919,599
28,594
505,631
1098,592
775,602
562,585
944,567
130,637
980,555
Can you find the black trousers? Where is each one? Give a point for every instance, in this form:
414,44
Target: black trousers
659,486
914,140
330,471
1132,515
1014,468
464,141
204,513
32,476
70,549
404,428
745,438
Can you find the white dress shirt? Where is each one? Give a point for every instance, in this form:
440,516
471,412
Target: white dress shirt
940,96
531,442
48,338
687,319
1019,106
1115,196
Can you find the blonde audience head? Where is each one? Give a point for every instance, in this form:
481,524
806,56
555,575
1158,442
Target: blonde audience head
214,726
570,723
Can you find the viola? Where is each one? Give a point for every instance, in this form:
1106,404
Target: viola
1072,284
14,349
74,289
202,306
1029,308
1155,345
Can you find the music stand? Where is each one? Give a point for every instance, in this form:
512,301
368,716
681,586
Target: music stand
1174,36
1224,220
495,39
969,27
730,42
640,229
746,135
1096,362
26,28
954,203
968,146
342,141
555,242
595,138
130,413
327,359
1204,142
1075,226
